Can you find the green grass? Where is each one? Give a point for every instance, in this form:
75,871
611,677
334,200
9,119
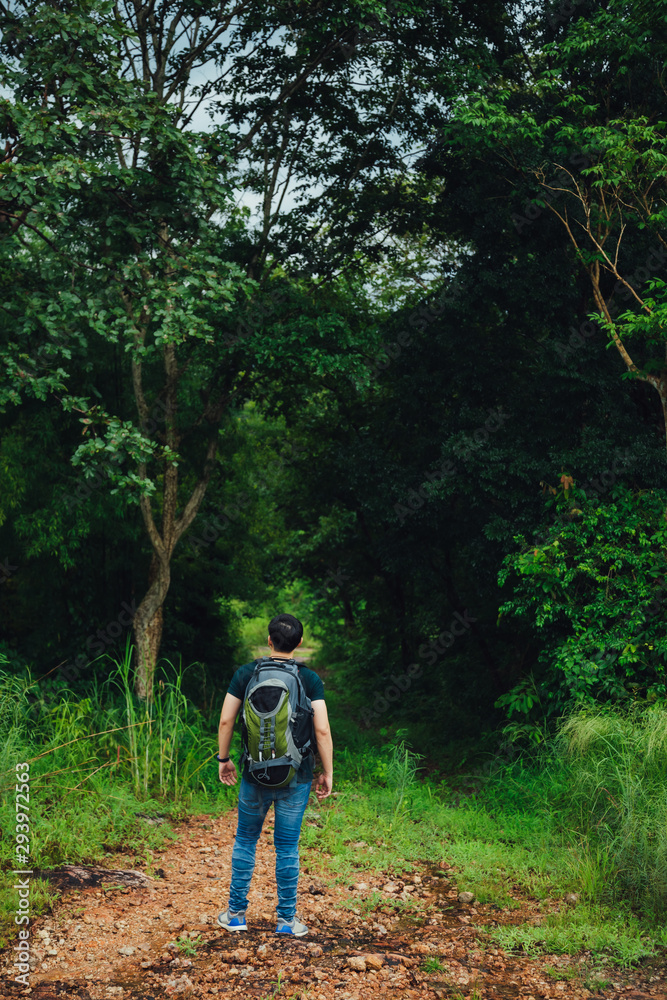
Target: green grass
537,830
585,928
187,945
433,965
567,973
366,905
585,972
277,989
496,855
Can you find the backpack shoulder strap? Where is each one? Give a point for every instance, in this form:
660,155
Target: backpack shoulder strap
278,663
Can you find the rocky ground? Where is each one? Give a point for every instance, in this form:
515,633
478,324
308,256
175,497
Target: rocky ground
161,940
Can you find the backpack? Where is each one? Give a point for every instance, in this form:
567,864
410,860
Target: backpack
277,722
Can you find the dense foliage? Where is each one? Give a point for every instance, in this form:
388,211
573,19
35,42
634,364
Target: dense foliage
592,590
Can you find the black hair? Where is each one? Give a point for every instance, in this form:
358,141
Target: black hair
285,632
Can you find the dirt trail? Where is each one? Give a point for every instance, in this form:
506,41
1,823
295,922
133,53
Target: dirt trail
110,943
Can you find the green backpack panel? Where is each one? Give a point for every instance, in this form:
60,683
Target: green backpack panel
277,722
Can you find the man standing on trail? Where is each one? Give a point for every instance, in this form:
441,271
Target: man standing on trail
289,800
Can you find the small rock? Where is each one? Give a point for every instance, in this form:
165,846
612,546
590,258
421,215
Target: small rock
390,887
361,886
315,950
264,951
572,897
146,965
374,961
51,951
204,918
316,889
241,956
357,963
466,897
127,950
420,948
360,843
380,929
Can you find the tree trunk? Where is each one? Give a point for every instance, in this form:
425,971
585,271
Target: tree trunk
148,618
147,637
147,628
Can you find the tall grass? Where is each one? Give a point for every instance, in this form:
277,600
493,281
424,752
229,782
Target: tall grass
169,746
13,712
615,768
402,769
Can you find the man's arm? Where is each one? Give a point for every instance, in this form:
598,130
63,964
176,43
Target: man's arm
324,748
230,709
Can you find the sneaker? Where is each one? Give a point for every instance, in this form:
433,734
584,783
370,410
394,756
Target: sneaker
293,926
232,921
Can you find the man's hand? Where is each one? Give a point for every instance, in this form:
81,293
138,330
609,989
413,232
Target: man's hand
323,784
227,773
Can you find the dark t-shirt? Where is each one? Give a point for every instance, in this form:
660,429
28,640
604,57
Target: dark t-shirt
314,689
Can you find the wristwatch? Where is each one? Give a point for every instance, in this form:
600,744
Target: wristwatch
222,760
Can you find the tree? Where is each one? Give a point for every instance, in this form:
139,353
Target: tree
583,140
132,240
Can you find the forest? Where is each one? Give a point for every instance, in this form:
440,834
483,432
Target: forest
354,311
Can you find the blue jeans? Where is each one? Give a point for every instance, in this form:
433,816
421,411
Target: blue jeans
289,805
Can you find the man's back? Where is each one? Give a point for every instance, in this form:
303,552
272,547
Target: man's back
255,798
